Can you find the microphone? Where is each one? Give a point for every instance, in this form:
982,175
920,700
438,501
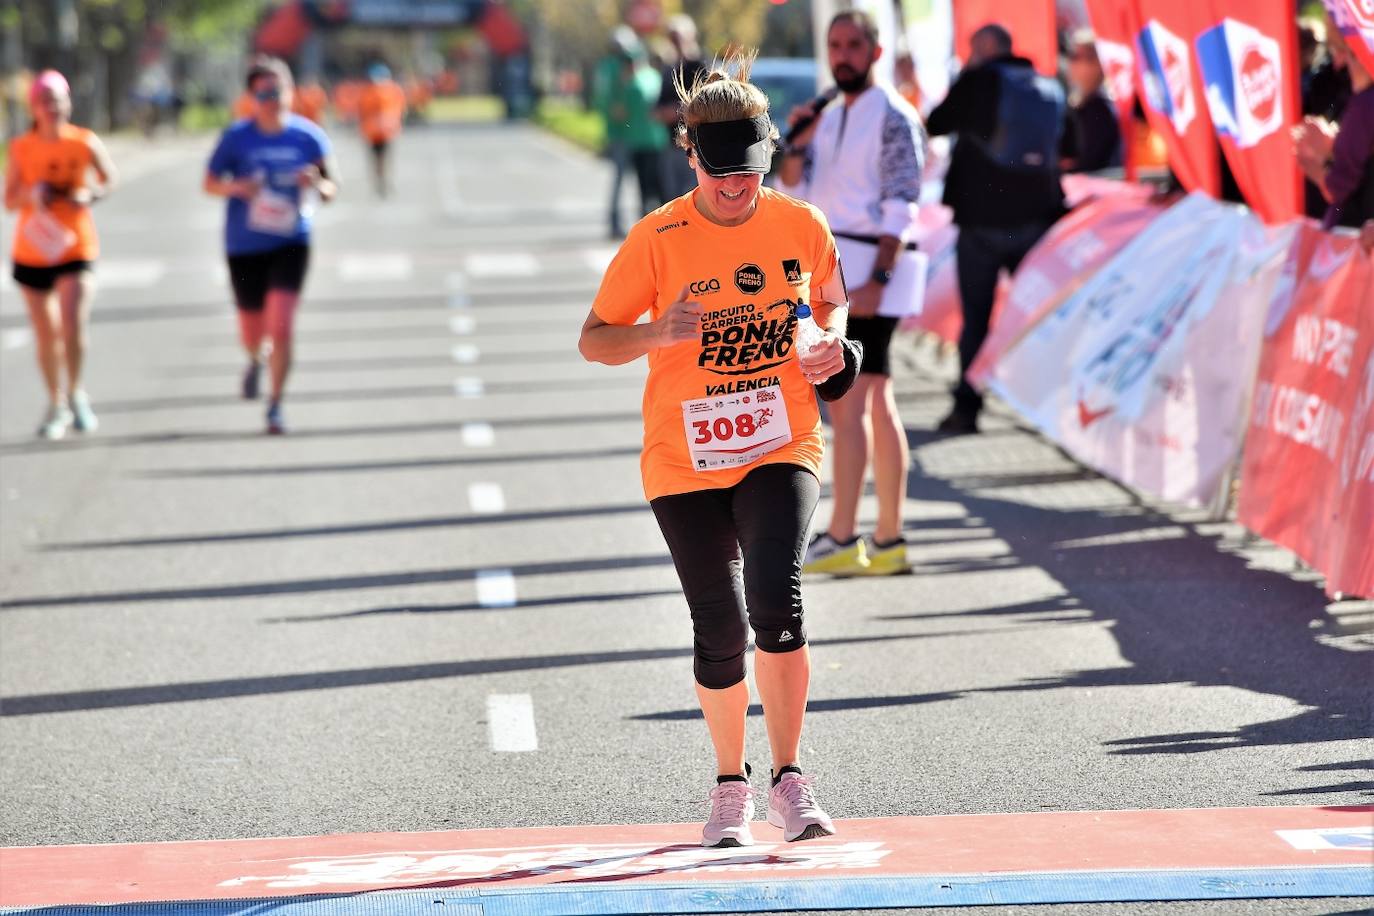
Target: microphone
816,106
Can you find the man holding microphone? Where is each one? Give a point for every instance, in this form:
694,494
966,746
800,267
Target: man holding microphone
860,162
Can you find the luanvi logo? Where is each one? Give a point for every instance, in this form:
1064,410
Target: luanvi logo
677,225
791,267
749,279
704,287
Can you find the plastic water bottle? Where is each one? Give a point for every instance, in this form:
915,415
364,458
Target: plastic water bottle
808,332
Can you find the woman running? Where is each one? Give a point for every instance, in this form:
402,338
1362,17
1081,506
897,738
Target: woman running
732,431
55,243
264,166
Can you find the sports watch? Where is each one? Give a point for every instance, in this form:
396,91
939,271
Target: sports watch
882,276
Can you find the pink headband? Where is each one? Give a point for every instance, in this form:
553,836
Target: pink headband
50,80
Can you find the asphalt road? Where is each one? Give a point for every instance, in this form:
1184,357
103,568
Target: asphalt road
207,633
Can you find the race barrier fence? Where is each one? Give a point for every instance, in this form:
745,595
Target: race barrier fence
1167,346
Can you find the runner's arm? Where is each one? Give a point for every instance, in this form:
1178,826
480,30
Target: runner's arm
14,186
617,344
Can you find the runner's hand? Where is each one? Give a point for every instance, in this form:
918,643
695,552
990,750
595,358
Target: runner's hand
244,188
824,359
309,176
681,321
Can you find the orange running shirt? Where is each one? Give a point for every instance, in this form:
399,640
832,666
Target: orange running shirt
704,399
245,106
381,109
309,102
63,163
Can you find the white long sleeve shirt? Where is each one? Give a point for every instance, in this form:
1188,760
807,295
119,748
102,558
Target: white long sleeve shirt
863,167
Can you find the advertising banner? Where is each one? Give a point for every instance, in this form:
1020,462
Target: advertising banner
1174,95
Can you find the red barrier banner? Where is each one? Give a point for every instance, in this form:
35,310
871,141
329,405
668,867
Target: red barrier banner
1355,19
1030,22
1115,25
1249,62
1064,259
1174,96
1307,479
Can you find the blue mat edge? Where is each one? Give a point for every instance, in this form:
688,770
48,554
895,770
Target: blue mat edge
605,898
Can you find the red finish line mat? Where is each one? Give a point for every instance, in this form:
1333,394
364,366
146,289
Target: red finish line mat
907,861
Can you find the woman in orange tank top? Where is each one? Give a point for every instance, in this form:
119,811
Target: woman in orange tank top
55,243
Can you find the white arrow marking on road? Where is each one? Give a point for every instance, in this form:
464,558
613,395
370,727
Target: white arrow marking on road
375,268
462,324
496,588
486,498
478,435
465,354
468,387
510,722
15,338
514,264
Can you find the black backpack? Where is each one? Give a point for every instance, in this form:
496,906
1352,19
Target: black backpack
1030,120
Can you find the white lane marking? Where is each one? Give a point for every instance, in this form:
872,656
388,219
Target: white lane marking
15,338
377,268
574,207
510,723
468,387
462,324
219,275
496,588
486,498
465,354
129,273
449,197
478,435
459,300
512,264
598,259
456,282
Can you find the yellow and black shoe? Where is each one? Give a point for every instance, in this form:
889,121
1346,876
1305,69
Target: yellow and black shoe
886,559
826,555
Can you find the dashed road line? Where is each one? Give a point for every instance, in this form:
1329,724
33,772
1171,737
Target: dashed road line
375,268
510,264
510,723
486,498
468,387
465,354
496,588
15,338
129,273
478,435
462,324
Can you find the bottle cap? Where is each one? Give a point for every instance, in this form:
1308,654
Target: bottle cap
803,311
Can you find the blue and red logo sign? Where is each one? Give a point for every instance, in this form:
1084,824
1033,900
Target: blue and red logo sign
1166,70
1243,71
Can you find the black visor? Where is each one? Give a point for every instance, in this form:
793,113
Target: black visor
734,147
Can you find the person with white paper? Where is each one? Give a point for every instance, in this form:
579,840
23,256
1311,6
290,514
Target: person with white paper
860,162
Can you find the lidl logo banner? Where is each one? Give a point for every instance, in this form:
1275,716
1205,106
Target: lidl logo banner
1243,73
1166,70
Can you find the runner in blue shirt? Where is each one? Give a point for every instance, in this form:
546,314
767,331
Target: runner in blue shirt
273,168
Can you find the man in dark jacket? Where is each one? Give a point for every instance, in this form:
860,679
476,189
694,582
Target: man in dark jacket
1003,184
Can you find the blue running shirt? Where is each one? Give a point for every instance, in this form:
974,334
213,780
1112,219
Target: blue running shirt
245,152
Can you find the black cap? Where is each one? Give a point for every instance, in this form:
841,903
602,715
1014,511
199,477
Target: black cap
734,147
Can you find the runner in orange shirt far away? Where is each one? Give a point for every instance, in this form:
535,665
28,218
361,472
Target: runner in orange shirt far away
381,112
310,101
55,243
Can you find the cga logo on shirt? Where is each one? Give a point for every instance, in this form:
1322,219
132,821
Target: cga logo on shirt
1243,72
749,279
703,287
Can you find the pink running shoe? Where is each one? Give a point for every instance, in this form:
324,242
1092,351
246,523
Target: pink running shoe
732,808
792,806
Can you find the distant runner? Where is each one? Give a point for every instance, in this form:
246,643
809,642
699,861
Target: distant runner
732,431
381,113
270,167
55,243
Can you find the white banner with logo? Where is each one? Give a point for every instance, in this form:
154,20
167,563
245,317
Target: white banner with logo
1144,372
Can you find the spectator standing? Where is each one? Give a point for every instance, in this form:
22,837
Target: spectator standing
1339,159
861,164
627,92
1003,184
1092,135
677,175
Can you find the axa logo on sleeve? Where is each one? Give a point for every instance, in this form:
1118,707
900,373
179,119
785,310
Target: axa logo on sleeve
749,279
1167,73
704,287
1243,71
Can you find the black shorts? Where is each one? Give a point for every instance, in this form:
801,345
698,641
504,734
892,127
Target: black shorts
254,275
379,146
876,335
739,553
45,278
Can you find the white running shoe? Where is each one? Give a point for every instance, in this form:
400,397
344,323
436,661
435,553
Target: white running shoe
792,806
55,424
732,808
83,418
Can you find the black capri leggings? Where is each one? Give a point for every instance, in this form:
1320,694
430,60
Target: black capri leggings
739,553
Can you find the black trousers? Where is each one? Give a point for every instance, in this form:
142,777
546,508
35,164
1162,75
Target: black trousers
982,253
739,552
